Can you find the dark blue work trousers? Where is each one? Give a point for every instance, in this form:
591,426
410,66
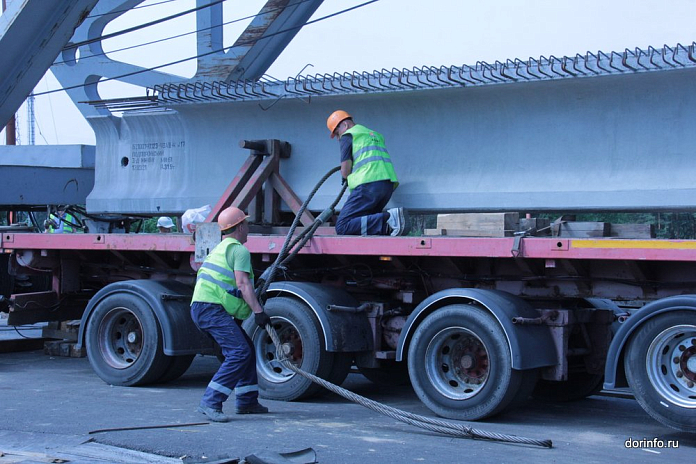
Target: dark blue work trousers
362,214
237,373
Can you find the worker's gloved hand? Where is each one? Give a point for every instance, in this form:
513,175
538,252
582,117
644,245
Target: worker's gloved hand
262,319
343,181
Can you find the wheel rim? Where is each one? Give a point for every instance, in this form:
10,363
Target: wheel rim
457,363
120,338
270,367
671,365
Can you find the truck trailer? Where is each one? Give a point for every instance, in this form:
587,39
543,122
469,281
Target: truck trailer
477,325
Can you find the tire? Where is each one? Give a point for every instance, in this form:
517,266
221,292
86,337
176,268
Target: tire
124,342
530,378
446,339
178,365
390,374
297,326
340,367
578,386
660,367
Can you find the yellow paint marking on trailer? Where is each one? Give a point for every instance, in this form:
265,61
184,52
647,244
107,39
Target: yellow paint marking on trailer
641,244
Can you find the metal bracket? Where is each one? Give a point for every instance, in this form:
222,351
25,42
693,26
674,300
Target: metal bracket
259,181
208,236
518,242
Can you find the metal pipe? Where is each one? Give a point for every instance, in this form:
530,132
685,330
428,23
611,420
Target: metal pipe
349,309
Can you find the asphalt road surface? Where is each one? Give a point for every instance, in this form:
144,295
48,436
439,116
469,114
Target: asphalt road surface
49,406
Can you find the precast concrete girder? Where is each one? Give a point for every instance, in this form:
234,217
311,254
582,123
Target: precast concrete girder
618,141
46,174
32,34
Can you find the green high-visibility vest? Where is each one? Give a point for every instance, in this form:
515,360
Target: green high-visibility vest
371,161
67,221
215,282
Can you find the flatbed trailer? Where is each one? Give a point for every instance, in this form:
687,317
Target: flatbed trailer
477,325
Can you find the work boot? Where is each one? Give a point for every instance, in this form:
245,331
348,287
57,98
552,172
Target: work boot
252,409
398,222
215,415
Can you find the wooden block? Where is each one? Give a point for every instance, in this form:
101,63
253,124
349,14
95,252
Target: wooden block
584,229
66,349
479,224
633,230
434,231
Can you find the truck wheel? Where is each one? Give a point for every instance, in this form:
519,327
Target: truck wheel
124,344
177,366
460,364
661,369
299,330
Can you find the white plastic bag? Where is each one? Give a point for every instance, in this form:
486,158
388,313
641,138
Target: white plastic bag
191,217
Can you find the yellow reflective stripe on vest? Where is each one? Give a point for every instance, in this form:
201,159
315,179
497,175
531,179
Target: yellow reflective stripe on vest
220,269
216,283
371,159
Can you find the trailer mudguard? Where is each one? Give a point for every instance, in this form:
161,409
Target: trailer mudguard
170,301
531,346
343,332
614,376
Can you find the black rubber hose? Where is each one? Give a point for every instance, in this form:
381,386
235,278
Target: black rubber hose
269,274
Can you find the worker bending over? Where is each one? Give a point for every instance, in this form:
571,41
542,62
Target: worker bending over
61,222
368,169
224,297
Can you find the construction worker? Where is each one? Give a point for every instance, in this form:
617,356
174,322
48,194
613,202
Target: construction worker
61,222
165,225
224,297
368,170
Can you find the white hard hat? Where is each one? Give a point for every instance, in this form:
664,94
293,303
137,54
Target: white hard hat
165,222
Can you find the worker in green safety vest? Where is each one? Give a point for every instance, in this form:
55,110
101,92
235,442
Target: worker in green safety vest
61,222
367,168
224,297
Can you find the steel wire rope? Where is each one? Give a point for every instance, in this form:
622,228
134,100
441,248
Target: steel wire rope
434,425
269,274
140,26
164,39
212,52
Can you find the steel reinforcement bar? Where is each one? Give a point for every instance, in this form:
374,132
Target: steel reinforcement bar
430,77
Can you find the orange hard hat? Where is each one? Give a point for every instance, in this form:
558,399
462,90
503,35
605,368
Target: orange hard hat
335,119
230,217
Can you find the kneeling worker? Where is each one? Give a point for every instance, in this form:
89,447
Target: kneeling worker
224,296
367,167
